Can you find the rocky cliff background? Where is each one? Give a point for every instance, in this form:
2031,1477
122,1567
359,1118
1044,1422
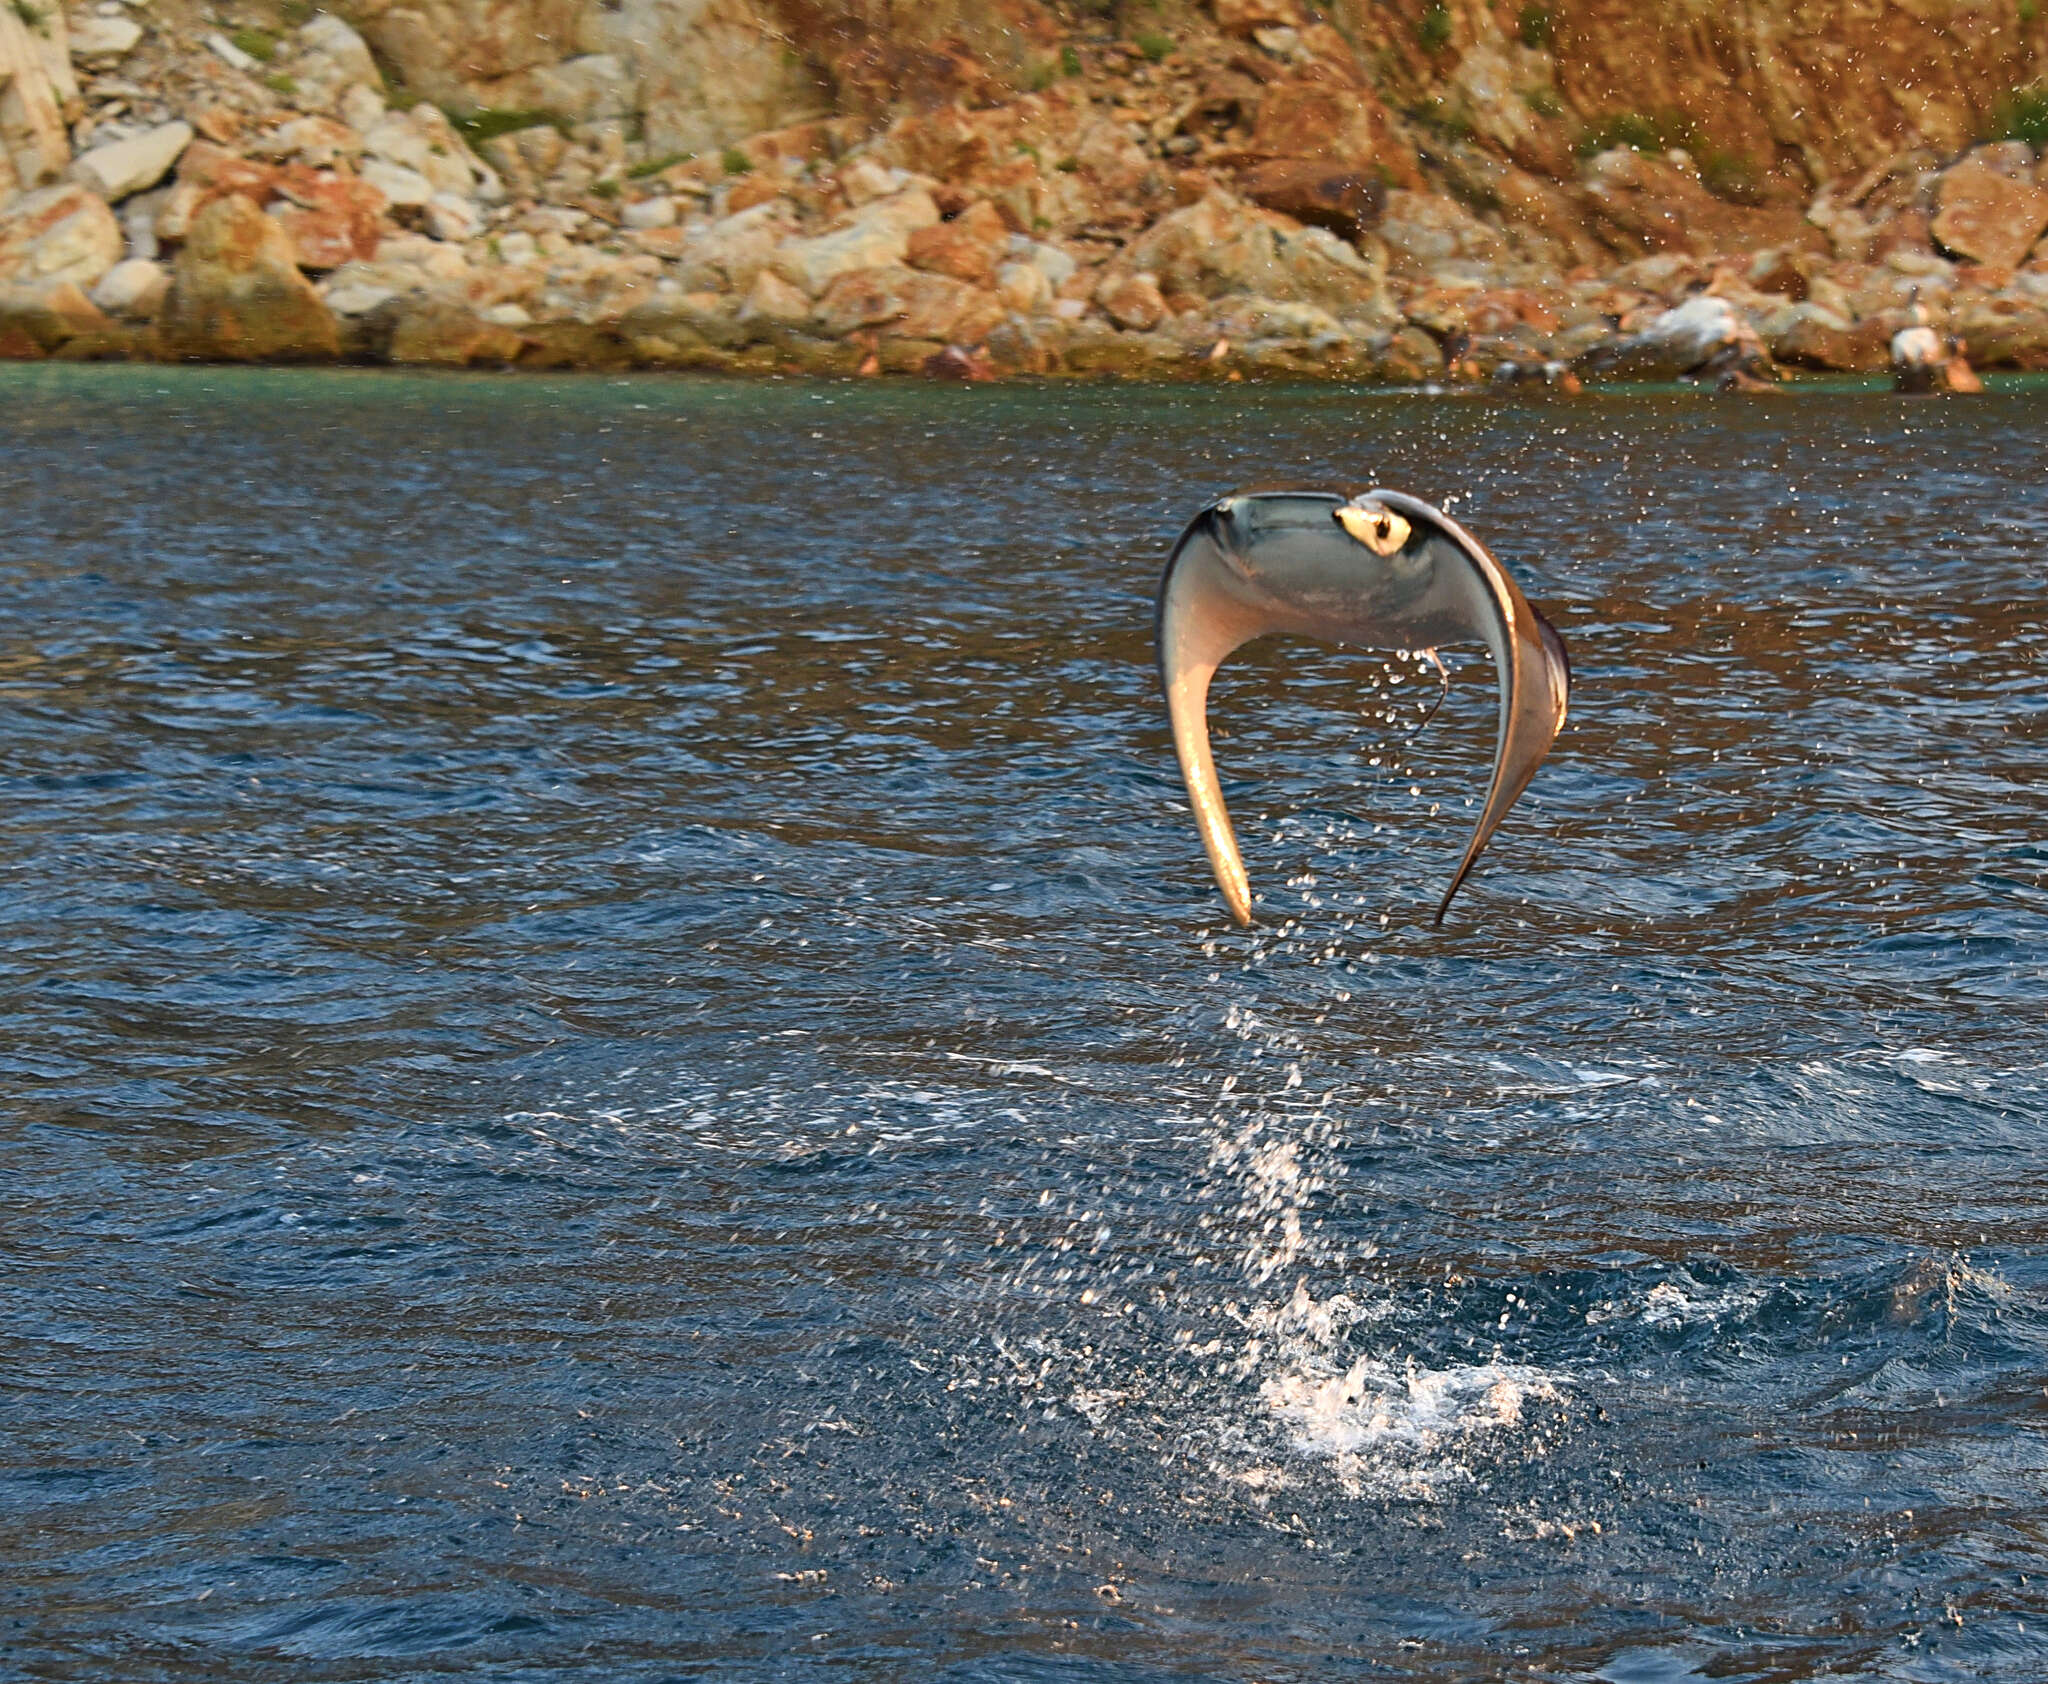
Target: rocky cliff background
1406,188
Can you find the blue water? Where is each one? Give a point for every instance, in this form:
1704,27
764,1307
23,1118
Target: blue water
620,1062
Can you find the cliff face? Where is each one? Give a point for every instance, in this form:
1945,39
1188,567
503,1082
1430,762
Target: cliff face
1776,94
1400,189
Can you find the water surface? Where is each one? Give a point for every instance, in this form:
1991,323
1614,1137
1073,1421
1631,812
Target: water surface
620,1062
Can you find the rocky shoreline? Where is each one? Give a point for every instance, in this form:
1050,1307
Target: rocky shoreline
1185,208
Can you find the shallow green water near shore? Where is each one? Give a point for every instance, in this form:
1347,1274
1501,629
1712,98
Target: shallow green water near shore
620,1063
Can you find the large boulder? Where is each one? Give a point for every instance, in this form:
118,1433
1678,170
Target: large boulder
908,303
48,320
59,234
1220,246
237,295
876,236
1983,214
2003,331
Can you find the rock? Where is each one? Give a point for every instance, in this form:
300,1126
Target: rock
1241,17
133,289
317,141
36,83
452,217
1132,301
684,330
96,37
236,294
773,299
657,212
1431,234
1221,246
878,236
863,181
1022,287
58,234
207,172
1704,334
1651,205
1810,335
753,190
725,255
956,362
57,321
423,141
325,61
1410,356
398,184
1249,321
330,216
442,330
2003,331
231,55
319,239
1986,216
965,248
130,166
911,303
1343,201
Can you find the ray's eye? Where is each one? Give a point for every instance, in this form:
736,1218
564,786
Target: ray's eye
1378,529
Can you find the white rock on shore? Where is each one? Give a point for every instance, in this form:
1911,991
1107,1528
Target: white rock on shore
130,166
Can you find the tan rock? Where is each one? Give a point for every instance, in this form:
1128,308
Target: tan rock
1426,233
1986,215
877,236
725,255
773,299
35,82
236,294
58,234
967,248
752,190
133,290
1221,246
122,167
1241,17
1132,301
2003,331
442,329
911,303
1022,287
41,321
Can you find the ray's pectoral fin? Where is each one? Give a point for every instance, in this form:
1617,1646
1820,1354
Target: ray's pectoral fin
1535,689
1201,619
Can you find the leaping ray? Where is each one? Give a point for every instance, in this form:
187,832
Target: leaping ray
1382,570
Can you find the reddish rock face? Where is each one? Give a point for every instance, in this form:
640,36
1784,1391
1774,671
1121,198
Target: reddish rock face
1987,216
1647,204
237,294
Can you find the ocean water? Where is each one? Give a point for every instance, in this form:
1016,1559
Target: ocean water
620,1063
